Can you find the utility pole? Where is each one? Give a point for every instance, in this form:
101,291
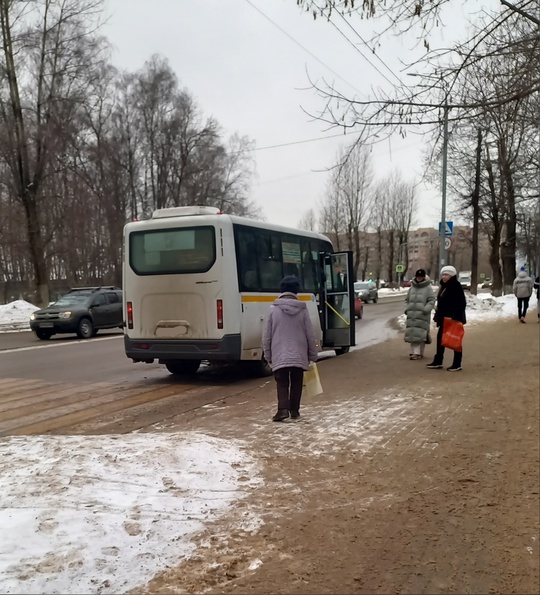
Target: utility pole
442,231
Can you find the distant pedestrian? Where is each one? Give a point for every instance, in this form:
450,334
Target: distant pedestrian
289,345
451,303
523,288
537,287
419,302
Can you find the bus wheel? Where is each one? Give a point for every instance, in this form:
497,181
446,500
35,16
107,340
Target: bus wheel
183,367
259,368
342,350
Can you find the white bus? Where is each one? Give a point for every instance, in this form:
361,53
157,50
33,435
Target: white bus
197,285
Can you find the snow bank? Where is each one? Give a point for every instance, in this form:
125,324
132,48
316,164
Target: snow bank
104,514
15,316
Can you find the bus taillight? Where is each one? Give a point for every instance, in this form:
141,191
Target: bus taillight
130,314
220,313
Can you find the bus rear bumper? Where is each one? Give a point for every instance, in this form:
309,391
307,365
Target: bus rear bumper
226,349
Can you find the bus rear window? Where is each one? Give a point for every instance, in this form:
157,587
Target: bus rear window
172,251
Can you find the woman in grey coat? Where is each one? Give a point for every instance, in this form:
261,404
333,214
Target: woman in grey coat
419,302
289,345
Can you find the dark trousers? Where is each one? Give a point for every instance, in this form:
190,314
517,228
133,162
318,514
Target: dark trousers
439,356
523,304
289,387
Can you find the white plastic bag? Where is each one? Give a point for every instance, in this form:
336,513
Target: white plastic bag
312,382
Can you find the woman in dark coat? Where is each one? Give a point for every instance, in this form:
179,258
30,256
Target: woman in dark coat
451,303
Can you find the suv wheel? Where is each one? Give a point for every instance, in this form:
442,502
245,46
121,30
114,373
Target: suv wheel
85,329
43,335
181,367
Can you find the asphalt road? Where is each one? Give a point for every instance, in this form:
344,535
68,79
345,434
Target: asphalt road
67,385
69,359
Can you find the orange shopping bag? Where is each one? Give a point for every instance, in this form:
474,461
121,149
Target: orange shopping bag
452,336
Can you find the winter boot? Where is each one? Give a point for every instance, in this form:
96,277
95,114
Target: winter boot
281,415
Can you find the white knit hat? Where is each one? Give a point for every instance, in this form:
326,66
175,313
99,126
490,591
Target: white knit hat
450,270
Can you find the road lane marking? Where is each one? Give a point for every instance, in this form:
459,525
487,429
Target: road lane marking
59,344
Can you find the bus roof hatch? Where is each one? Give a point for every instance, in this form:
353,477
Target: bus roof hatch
184,212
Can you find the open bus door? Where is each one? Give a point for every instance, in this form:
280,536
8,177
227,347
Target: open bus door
337,301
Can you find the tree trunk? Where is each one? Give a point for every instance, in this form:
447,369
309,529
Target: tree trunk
35,243
390,255
497,279
508,247
475,199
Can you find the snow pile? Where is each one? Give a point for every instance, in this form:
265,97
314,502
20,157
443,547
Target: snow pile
390,291
484,307
104,514
15,316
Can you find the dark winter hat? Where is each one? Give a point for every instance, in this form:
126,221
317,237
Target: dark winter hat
290,284
420,273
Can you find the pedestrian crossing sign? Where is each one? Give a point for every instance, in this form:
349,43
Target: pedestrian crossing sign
449,228
400,268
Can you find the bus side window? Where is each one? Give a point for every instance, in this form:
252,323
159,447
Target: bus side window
246,258
251,281
270,261
309,270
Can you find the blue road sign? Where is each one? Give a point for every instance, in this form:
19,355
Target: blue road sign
449,231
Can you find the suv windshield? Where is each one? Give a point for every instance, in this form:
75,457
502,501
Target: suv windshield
72,299
358,286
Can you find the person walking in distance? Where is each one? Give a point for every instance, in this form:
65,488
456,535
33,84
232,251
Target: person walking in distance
451,303
418,305
523,288
289,345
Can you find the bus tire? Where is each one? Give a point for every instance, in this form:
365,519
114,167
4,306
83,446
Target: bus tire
342,350
259,368
183,367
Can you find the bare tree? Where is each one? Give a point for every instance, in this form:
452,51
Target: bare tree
48,49
380,222
308,221
352,187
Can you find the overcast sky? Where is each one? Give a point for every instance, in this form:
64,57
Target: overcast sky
248,63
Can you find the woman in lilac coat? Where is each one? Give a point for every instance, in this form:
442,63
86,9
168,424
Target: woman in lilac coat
289,345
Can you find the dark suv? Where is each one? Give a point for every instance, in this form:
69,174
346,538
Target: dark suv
83,310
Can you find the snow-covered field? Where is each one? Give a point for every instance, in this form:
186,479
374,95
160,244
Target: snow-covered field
104,514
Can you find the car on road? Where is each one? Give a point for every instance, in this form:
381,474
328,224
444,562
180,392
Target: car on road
487,283
465,278
358,306
83,310
367,291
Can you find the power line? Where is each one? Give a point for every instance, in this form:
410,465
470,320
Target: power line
299,142
376,55
360,52
300,45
